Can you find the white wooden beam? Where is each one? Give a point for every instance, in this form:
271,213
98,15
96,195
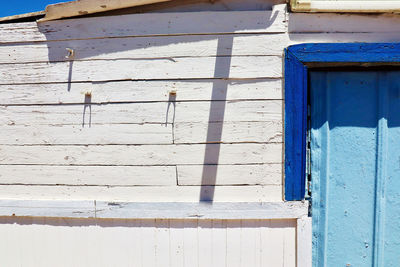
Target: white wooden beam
149,24
248,193
165,210
141,154
153,47
158,69
141,91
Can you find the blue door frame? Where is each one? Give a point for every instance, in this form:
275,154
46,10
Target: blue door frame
298,59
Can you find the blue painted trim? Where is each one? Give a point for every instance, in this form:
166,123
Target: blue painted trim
347,52
295,127
296,74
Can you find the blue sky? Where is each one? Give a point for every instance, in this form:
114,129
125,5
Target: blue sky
15,7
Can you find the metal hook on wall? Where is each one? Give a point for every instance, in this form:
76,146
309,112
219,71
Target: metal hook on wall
71,53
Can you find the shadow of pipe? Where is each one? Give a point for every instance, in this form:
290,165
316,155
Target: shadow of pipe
107,46
214,131
71,64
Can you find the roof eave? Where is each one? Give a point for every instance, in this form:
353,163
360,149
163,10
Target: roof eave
85,7
32,15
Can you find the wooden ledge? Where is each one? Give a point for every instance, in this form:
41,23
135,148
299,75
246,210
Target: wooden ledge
165,210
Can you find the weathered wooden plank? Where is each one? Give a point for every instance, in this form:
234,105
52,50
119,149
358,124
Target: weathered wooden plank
232,132
142,154
278,242
148,24
233,243
88,175
304,237
204,243
263,110
272,193
250,243
90,239
159,112
143,69
218,242
190,237
355,23
151,210
147,47
123,234
263,174
177,245
290,243
83,115
74,9
349,37
32,208
140,91
233,210
148,242
98,134
162,242
138,134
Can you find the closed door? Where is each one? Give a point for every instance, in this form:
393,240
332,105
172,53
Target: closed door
355,167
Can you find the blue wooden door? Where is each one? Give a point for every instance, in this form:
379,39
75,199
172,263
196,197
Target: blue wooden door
355,167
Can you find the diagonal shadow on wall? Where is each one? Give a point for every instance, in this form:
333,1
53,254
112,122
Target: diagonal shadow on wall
223,57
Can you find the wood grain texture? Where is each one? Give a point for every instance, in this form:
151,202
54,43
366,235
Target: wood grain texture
151,210
233,132
141,91
279,241
64,144
250,111
204,244
148,24
132,69
304,237
100,134
138,113
352,23
88,175
138,134
295,126
190,240
250,244
270,193
147,47
202,210
218,241
141,154
262,174
162,242
133,242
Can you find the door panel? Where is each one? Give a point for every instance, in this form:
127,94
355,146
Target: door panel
355,157
391,227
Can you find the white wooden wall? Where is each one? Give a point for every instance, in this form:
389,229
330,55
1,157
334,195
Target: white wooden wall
146,243
133,141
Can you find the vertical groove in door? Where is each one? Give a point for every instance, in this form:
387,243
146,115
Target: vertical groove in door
381,171
319,163
326,144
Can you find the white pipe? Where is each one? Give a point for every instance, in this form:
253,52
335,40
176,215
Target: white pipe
345,6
